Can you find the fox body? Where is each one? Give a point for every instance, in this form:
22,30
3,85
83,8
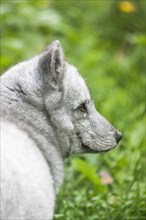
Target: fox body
47,114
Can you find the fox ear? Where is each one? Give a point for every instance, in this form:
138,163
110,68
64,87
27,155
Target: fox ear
52,64
57,58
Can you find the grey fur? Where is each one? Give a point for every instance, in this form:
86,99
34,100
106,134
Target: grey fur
42,99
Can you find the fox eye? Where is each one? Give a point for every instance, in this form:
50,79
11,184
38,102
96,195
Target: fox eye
82,108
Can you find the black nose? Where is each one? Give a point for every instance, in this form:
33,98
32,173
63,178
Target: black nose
118,136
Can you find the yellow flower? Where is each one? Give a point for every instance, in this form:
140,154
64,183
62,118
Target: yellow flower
127,6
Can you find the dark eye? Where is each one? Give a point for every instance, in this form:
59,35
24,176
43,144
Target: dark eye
82,108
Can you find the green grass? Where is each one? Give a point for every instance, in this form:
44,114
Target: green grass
108,46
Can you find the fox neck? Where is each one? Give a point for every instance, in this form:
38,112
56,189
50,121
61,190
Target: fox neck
36,123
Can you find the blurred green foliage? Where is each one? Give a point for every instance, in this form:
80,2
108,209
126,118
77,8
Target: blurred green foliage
106,41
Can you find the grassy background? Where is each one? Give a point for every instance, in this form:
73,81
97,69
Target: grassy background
106,41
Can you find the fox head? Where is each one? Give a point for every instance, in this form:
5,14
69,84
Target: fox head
80,128
54,92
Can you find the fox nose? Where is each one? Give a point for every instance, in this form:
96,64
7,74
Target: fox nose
118,136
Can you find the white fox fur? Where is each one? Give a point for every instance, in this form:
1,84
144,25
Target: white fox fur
47,114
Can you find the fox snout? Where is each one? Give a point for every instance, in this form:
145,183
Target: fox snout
99,135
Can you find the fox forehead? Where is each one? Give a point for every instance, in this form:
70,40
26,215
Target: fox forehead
75,85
